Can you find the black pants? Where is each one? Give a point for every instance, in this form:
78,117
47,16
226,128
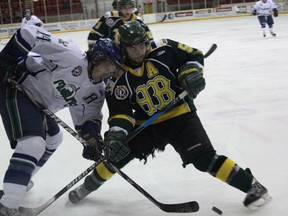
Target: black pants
266,19
185,133
21,117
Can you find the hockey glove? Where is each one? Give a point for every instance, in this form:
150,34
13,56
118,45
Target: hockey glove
191,78
90,132
38,24
115,149
275,12
8,66
254,12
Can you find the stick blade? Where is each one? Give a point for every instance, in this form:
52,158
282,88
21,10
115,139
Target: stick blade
191,206
211,50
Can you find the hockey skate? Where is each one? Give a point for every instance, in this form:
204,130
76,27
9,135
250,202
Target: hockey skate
91,183
79,193
264,35
5,211
273,34
257,196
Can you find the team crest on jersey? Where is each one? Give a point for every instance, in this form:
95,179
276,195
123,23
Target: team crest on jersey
121,92
109,21
77,71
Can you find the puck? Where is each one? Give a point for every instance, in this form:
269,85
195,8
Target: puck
218,211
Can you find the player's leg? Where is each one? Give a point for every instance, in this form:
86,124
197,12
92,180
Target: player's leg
98,177
194,146
270,23
262,21
54,138
23,124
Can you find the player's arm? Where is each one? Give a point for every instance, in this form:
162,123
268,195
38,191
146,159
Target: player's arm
274,9
121,122
38,22
13,54
87,120
254,9
189,62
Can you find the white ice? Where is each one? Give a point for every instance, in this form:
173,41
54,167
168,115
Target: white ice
244,109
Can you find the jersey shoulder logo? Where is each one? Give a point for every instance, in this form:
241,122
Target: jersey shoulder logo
77,71
109,21
121,92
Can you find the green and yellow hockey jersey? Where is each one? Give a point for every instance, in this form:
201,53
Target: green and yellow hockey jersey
139,93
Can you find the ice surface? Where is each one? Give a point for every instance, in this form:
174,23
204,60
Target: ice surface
244,109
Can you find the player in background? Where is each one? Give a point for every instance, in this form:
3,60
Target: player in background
114,5
155,73
31,19
263,9
58,75
107,26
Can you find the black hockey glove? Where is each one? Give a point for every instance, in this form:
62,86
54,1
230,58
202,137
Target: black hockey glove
254,12
191,78
8,67
90,132
275,12
11,68
38,24
115,149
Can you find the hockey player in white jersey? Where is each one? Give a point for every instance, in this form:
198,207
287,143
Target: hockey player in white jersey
60,75
263,9
30,19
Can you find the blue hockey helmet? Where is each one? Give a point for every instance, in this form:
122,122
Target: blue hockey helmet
105,49
27,11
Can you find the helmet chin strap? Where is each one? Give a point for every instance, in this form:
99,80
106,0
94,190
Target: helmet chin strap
90,69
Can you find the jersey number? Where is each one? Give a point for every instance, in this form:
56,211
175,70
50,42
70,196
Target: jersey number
155,94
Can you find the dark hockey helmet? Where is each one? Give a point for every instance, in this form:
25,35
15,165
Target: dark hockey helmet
125,2
105,49
132,34
27,11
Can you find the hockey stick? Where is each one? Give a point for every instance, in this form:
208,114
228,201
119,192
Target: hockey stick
37,210
186,207
179,207
164,18
210,51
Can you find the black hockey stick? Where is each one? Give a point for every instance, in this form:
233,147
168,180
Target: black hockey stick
37,210
186,207
179,207
210,51
164,18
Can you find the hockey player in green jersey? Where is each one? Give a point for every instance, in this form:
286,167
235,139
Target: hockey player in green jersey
107,26
155,73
